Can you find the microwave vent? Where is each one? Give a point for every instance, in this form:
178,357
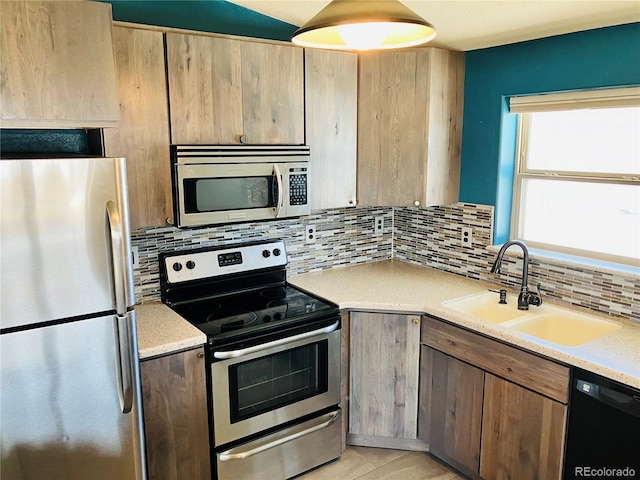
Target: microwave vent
236,153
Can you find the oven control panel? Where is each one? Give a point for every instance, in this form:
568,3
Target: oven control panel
228,259
185,266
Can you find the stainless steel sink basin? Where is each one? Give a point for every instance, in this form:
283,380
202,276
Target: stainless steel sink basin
547,322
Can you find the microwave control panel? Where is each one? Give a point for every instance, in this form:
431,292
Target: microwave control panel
297,186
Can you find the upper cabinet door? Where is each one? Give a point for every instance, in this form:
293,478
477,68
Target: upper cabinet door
272,93
410,127
58,67
331,109
205,89
143,135
224,91
392,127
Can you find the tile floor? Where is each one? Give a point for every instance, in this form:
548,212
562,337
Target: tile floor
364,463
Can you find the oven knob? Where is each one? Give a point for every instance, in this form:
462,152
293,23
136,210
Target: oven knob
276,252
177,266
266,253
191,264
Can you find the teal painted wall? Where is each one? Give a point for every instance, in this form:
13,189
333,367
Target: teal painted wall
216,16
607,57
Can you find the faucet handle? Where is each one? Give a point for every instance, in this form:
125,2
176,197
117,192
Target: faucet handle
535,298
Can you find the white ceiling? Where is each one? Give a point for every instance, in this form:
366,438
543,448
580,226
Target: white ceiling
472,24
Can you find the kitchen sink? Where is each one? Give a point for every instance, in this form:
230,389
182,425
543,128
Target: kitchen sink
547,322
564,328
485,306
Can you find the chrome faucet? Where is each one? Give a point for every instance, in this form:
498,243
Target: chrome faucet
525,298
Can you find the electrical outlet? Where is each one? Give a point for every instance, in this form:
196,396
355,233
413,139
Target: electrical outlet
310,234
135,257
466,237
378,225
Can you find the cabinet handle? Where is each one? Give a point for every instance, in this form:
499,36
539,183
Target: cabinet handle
244,139
417,203
416,321
200,355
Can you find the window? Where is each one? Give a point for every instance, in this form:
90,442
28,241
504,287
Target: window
577,182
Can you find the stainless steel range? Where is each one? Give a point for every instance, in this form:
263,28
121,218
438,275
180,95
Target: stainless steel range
273,359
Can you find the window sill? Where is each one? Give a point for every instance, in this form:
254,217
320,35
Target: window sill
619,269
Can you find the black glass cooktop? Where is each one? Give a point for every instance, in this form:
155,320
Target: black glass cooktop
238,314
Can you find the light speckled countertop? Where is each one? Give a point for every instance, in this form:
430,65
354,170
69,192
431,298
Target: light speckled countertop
162,331
392,285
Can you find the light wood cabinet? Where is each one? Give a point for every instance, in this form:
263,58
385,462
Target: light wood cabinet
331,108
450,409
522,433
490,409
226,91
410,127
143,135
174,401
57,68
384,352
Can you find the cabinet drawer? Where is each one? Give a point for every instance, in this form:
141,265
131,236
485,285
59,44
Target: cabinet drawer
530,371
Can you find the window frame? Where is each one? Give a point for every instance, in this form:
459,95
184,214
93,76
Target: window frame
522,173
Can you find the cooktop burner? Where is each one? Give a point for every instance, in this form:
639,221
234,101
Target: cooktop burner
240,313
232,319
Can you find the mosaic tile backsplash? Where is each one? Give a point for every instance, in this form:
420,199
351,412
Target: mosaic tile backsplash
343,237
429,237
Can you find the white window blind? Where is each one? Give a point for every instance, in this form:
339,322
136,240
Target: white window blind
551,102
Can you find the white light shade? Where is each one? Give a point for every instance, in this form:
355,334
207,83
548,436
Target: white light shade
364,25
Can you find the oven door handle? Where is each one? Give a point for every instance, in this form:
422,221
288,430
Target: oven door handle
238,454
275,343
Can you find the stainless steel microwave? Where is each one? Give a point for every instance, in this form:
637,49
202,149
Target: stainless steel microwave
218,184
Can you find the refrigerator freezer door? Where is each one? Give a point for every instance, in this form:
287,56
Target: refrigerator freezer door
61,407
56,234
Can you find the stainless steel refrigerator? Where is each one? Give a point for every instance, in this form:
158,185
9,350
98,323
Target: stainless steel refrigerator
69,374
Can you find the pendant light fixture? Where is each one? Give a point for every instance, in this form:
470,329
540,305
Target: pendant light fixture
364,25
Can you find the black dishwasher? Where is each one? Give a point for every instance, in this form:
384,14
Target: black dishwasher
603,439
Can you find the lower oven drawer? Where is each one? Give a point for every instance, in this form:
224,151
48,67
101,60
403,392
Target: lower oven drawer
285,453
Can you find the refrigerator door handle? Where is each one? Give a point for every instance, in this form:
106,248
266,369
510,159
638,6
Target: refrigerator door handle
124,357
114,223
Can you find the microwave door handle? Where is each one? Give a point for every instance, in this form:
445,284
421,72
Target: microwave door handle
279,201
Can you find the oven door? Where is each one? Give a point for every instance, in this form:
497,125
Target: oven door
267,385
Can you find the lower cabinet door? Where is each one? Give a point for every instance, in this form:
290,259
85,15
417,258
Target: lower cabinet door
174,401
522,433
384,354
450,409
